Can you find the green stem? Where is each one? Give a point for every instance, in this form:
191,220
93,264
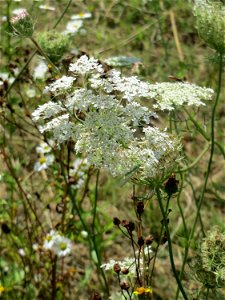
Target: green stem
54,264
196,160
185,232
212,145
62,15
170,245
44,54
202,132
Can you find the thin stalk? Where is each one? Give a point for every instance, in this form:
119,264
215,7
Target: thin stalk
185,232
54,263
212,145
95,202
170,245
44,54
202,132
195,162
157,248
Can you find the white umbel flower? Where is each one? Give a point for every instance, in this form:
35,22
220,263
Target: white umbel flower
61,85
46,111
62,128
172,95
85,65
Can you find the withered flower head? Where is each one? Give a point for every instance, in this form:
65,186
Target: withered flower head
117,268
116,221
140,207
149,239
171,185
125,286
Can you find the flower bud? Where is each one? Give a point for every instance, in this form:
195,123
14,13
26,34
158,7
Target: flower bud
54,44
210,19
22,24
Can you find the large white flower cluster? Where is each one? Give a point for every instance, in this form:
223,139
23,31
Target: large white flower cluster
170,95
105,118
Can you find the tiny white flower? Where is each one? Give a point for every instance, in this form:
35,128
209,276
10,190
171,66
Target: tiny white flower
44,148
18,11
47,7
6,77
73,27
43,163
21,252
31,93
35,247
40,70
80,16
84,234
58,244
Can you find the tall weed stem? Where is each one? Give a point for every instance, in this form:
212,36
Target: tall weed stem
170,244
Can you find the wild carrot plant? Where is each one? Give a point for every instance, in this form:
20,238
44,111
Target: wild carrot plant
100,191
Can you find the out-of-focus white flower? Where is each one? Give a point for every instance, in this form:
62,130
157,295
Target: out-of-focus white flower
35,247
121,61
80,16
6,77
58,244
47,7
61,85
31,93
21,252
84,234
44,147
127,263
43,163
18,11
72,27
40,70
173,95
86,65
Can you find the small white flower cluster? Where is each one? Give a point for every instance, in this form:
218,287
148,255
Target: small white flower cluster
61,85
171,95
46,159
86,65
128,263
106,120
57,244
